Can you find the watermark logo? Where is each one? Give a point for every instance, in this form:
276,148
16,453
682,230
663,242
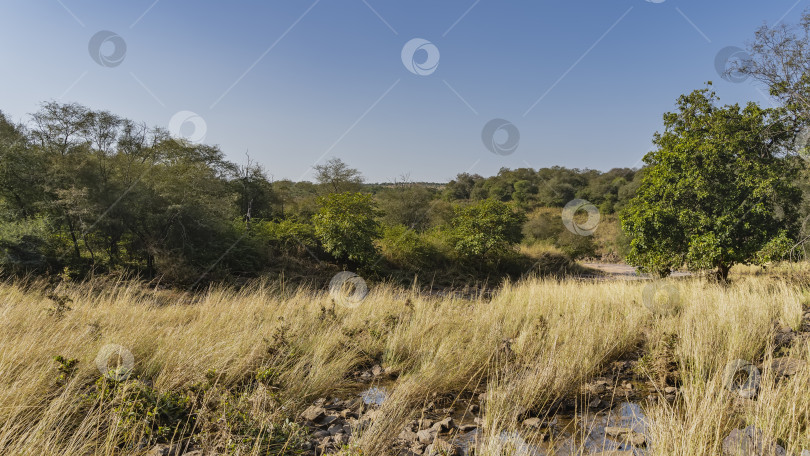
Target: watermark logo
420,56
107,49
189,126
728,63
348,289
500,137
662,299
122,368
742,378
574,224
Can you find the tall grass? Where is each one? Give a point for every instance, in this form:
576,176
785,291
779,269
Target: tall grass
242,362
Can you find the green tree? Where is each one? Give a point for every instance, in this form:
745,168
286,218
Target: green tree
347,226
716,191
337,177
485,228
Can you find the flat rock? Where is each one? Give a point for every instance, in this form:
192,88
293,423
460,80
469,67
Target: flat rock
750,441
313,413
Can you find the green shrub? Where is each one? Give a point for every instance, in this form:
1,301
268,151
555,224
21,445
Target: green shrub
406,248
346,225
486,229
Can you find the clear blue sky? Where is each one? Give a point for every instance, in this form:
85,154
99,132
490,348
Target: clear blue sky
296,81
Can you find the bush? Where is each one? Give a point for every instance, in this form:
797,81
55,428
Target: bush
346,225
406,248
486,229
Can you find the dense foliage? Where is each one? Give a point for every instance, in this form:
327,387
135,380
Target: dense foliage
717,190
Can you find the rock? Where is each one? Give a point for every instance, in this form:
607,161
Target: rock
750,441
425,423
340,439
537,423
442,448
632,437
786,367
348,413
805,453
474,408
426,435
164,450
325,421
335,429
407,435
444,425
320,434
377,370
313,413
467,428
670,390
595,403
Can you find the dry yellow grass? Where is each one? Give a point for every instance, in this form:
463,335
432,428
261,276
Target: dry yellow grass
530,345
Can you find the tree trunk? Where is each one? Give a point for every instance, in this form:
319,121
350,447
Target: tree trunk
722,272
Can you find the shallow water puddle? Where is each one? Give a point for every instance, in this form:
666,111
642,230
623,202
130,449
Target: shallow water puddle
375,395
581,434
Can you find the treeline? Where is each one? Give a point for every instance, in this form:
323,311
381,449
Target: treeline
84,191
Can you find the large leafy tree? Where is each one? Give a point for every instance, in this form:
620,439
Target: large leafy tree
718,189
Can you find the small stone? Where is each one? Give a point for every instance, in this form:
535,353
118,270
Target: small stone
474,408
335,429
407,435
425,423
326,421
426,435
341,439
467,428
320,434
442,448
444,425
670,390
377,370
595,403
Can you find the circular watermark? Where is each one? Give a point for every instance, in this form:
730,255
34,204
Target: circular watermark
122,369
348,289
107,49
585,228
420,56
728,62
742,378
509,138
189,126
661,299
